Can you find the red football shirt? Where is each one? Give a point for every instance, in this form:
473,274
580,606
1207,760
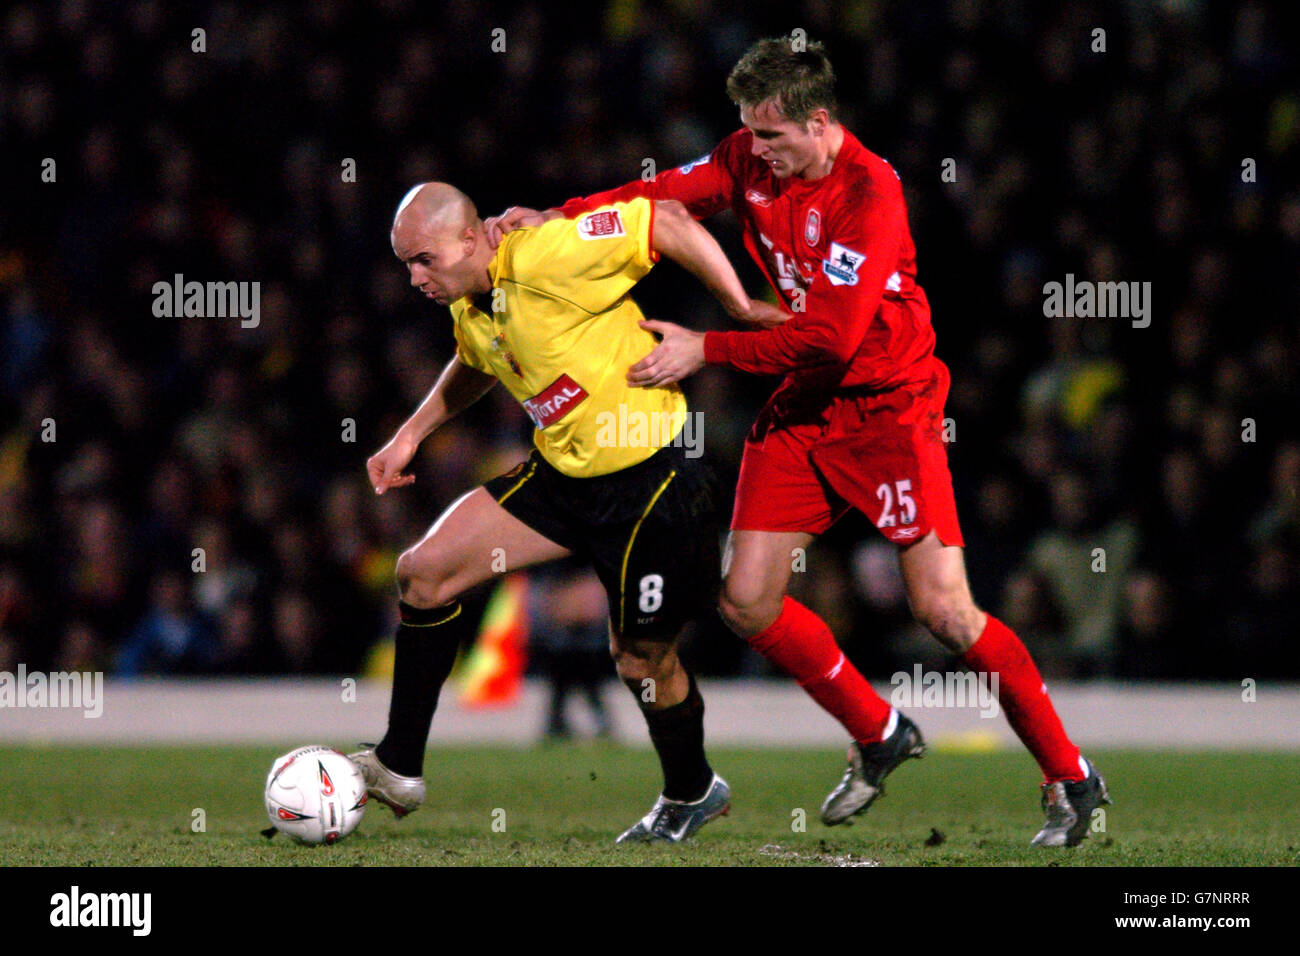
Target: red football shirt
839,244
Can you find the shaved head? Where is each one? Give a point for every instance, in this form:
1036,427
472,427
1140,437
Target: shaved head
438,234
436,208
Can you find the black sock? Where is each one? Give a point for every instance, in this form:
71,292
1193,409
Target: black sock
427,642
678,735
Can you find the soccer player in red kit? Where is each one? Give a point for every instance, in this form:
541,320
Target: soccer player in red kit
855,423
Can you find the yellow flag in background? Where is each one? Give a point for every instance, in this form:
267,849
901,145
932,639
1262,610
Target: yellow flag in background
491,672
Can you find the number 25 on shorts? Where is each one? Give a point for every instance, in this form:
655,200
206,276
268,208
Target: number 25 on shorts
906,504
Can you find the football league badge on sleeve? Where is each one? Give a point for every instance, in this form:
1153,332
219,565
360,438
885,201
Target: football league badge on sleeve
599,225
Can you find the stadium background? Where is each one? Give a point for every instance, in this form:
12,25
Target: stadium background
174,434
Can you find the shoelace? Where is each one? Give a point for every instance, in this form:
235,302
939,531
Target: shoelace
663,823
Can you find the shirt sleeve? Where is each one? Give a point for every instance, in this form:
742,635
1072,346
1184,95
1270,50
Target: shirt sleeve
704,185
593,260
866,235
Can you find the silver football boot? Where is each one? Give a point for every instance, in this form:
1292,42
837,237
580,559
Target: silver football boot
401,794
672,821
1069,806
869,764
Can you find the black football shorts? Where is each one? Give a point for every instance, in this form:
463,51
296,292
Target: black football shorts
649,531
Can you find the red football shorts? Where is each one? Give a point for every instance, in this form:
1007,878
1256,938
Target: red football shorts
807,461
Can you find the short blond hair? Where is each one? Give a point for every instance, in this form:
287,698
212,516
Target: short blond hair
799,81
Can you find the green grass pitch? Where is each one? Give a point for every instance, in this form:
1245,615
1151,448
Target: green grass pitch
565,804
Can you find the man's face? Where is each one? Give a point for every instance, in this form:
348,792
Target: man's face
787,147
437,260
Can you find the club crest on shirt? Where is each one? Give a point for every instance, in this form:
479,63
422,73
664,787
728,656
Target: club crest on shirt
841,265
601,225
812,227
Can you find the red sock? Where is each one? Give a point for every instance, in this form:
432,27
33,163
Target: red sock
800,643
1024,700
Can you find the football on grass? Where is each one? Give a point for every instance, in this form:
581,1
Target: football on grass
315,795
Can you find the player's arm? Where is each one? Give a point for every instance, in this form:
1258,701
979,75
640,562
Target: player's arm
841,301
458,387
678,236
839,306
704,187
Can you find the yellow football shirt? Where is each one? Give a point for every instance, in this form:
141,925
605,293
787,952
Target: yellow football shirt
559,329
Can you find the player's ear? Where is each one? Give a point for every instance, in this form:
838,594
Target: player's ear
819,121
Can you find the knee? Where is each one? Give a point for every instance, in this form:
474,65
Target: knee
640,661
951,617
747,608
423,581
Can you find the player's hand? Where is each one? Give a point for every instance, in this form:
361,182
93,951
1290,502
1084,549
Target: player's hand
516,217
385,466
764,315
681,353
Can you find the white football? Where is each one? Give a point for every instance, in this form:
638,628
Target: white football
315,795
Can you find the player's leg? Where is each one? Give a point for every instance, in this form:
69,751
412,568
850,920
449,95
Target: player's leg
673,710
754,604
660,569
938,592
800,643
782,503
474,540
674,714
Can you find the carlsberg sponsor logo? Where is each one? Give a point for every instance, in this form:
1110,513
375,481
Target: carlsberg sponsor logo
56,689
934,689
208,300
74,908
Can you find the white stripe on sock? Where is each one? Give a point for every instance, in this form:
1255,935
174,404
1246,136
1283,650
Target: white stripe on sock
834,671
889,727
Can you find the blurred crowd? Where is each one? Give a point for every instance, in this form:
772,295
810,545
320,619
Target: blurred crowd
187,495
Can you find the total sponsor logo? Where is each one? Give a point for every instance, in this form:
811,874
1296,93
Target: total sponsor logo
554,402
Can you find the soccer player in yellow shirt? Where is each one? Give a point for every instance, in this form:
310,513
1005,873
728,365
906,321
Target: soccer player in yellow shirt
615,477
